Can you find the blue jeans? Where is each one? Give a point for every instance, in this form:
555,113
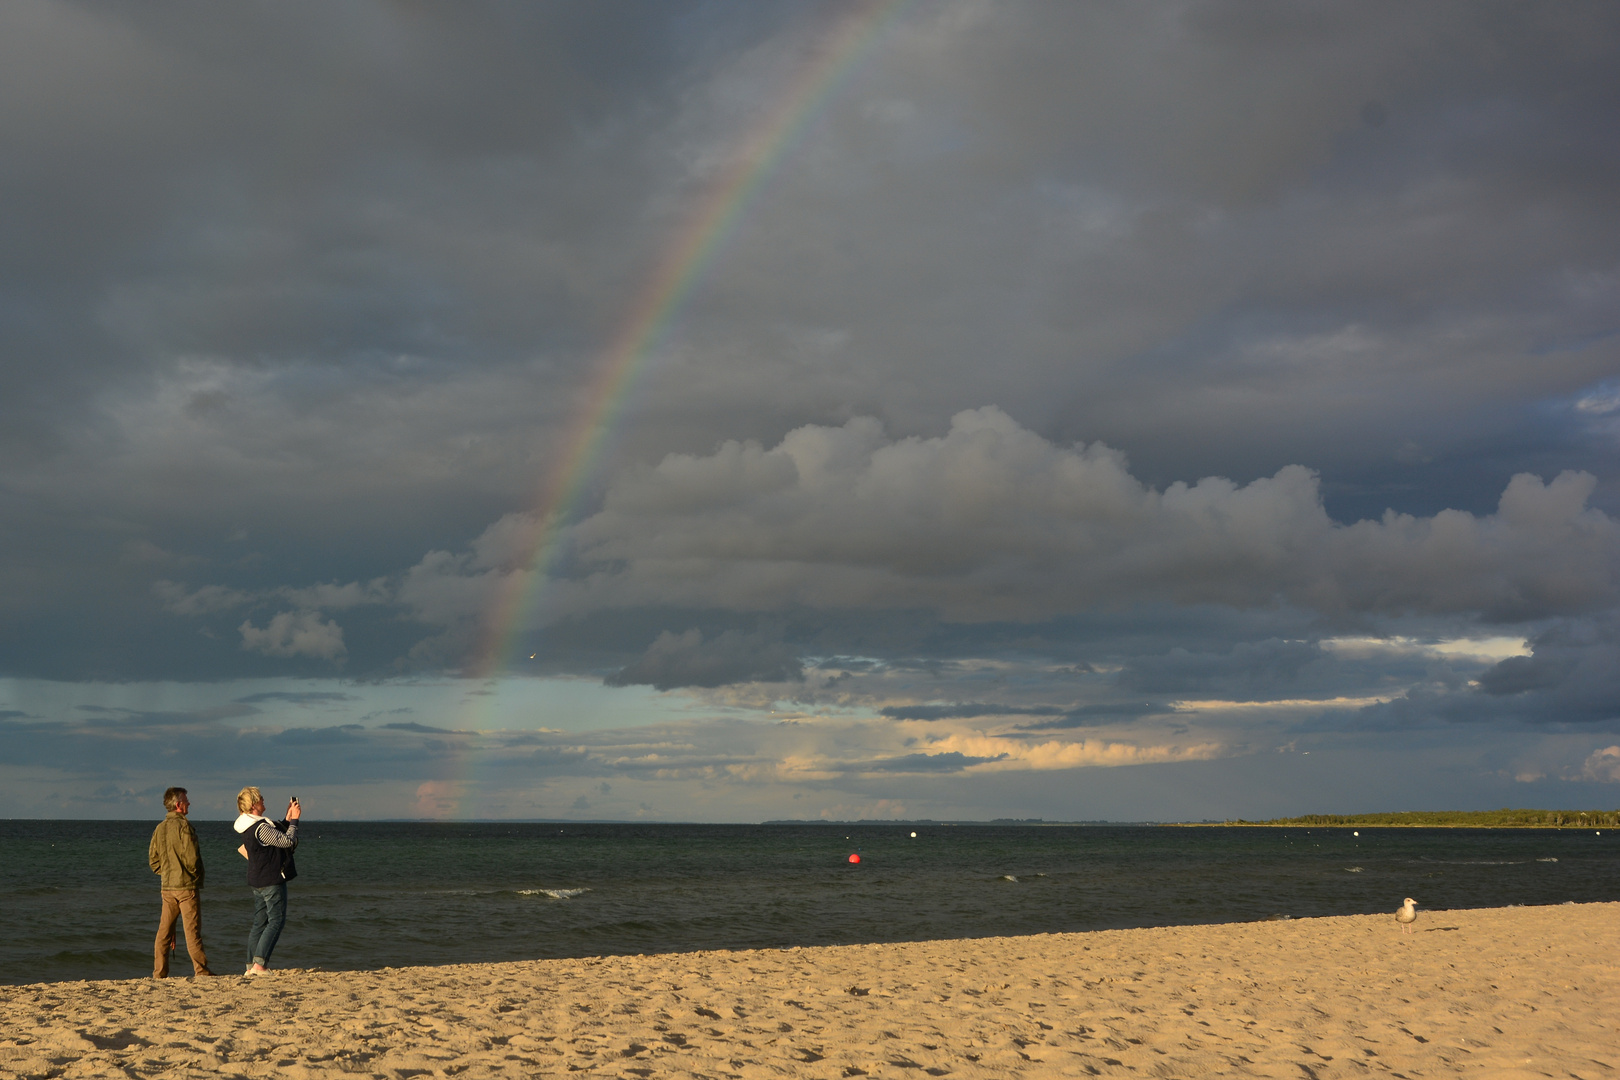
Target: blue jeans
269,916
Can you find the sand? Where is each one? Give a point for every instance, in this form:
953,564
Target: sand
1511,992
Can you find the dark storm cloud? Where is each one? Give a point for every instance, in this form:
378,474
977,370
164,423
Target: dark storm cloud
1572,674
686,659
963,710
420,728
1570,679
947,762
296,697
1261,667
1520,674
117,720
119,743
342,734
1097,714
108,742
258,189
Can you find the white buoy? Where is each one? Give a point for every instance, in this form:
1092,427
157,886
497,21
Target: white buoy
1355,834
914,835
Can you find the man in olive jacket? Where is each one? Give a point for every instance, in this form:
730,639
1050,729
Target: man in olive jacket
175,855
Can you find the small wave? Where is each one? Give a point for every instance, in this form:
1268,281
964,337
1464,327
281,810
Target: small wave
1006,877
1352,870
555,894
1549,859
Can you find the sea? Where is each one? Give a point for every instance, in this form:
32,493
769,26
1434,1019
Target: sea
79,901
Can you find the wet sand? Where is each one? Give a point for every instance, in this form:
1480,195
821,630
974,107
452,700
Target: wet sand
1507,992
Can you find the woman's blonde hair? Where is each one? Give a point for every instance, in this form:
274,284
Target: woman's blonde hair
247,798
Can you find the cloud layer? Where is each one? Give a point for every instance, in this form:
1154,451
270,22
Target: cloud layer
1071,376
991,521
991,524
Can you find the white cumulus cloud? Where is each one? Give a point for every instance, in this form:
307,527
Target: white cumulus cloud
1602,765
295,633
991,521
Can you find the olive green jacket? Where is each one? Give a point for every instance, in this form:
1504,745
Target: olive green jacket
174,853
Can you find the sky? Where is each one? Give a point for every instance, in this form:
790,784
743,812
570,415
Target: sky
751,410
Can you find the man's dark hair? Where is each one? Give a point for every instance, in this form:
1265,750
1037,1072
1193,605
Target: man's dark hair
172,797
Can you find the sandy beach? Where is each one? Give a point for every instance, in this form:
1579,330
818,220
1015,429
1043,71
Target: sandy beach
1504,992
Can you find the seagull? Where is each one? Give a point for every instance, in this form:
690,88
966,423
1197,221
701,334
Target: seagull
1407,915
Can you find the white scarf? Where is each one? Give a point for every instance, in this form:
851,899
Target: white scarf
244,821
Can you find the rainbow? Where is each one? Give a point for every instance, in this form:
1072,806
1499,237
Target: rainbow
678,272
684,262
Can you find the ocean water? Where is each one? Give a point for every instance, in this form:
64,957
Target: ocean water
80,903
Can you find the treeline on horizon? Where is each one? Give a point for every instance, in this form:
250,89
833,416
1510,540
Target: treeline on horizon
1478,819
945,821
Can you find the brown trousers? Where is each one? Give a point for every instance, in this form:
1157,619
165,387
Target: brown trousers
179,904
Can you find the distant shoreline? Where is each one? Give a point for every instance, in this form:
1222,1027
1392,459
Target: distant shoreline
1431,819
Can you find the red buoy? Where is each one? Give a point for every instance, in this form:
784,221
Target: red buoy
854,858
